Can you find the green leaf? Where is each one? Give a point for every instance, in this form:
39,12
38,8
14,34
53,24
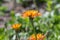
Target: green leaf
3,36
37,19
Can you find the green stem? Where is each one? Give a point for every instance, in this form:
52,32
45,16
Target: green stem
17,38
31,20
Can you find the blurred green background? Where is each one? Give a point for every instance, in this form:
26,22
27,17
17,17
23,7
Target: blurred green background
11,9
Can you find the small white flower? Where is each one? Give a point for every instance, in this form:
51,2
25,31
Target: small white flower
58,5
14,37
58,37
52,13
46,14
17,14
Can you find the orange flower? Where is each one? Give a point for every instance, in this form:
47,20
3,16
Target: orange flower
16,26
39,37
31,13
32,37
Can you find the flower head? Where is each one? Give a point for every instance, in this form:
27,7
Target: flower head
32,37
31,13
39,37
16,26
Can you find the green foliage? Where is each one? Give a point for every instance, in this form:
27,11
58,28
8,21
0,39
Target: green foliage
58,1
3,36
12,21
3,8
49,26
1,1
